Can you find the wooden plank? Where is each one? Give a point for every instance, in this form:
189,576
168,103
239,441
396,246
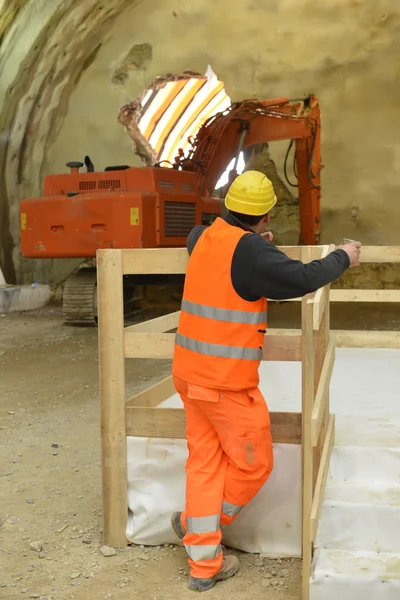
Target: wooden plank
380,254
171,423
282,347
154,395
365,295
321,479
148,345
327,249
158,325
342,295
321,339
347,338
321,299
161,345
307,404
170,261
318,252
366,339
174,260
155,261
322,393
112,393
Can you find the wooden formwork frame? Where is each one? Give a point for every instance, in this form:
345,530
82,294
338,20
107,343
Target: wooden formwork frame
138,416
365,338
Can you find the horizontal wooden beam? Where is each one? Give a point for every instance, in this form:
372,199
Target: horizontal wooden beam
366,339
171,423
322,393
161,345
169,261
347,338
148,345
277,346
154,395
174,260
158,325
354,295
282,348
322,477
365,295
380,254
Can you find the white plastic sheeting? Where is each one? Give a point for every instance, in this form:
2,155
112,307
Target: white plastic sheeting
362,489
358,575
270,524
358,542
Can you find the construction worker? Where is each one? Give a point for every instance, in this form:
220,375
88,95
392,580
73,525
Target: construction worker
233,268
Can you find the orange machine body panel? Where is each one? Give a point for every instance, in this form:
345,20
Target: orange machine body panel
145,207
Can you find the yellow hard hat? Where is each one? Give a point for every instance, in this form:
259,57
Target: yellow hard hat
251,193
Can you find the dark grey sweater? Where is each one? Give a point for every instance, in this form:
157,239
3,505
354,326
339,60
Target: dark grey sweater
259,269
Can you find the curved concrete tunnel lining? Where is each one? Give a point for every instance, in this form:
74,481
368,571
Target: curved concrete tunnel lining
334,65
39,101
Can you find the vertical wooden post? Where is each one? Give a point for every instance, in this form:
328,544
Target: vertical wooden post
307,407
112,392
321,340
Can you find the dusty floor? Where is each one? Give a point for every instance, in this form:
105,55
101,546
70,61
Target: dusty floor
50,486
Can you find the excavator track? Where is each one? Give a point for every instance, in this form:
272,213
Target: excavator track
79,300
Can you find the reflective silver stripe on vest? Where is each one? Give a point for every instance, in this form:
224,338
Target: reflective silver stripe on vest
206,552
230,509
218,349
202,524
223,314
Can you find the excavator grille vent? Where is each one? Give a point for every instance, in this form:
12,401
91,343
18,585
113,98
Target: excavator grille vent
187,187
179,218
87,185
106,184
166,185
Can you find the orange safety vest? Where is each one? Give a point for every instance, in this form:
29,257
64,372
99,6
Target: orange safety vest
220,336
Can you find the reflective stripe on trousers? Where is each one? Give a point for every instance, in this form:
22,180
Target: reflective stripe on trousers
218,350
198,553
231,510
202,524
224,314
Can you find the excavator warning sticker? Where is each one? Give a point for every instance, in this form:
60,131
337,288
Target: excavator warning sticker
23,221
134,216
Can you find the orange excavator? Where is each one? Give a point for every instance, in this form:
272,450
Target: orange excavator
157,206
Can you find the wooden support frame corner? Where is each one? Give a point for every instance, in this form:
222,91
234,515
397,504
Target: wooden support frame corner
142,415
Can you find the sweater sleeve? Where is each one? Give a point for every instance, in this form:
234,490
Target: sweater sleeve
194,237
259,269
278,277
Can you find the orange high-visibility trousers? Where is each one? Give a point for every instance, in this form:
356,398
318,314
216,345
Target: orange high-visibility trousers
230,459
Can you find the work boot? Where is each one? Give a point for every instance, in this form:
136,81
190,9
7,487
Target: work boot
177,525
230,566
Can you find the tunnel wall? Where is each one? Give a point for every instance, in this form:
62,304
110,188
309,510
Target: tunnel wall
67,67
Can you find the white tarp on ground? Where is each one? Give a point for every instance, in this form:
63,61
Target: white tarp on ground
270,524
358,541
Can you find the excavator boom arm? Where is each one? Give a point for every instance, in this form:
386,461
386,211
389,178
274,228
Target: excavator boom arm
250,122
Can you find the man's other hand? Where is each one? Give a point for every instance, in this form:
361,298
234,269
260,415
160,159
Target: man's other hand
268,235
353,252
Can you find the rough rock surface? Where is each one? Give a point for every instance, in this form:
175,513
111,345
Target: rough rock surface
67,68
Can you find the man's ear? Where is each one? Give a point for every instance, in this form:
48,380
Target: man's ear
266,218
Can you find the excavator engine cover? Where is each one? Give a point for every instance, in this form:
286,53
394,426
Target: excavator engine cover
138,207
